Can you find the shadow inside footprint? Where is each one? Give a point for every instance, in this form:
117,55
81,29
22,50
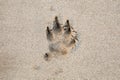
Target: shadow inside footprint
62,39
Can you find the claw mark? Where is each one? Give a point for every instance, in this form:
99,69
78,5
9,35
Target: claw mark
47,56
60,43
49,34
57,26
67,28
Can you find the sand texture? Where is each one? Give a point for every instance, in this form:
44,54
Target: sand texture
23,41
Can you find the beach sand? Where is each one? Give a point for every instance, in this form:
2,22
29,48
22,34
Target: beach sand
23,41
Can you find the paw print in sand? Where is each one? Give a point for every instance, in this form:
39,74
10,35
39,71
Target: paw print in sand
62,39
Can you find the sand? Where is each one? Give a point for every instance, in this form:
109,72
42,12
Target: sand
23,40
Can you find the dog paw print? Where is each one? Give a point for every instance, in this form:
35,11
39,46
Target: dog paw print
61,39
